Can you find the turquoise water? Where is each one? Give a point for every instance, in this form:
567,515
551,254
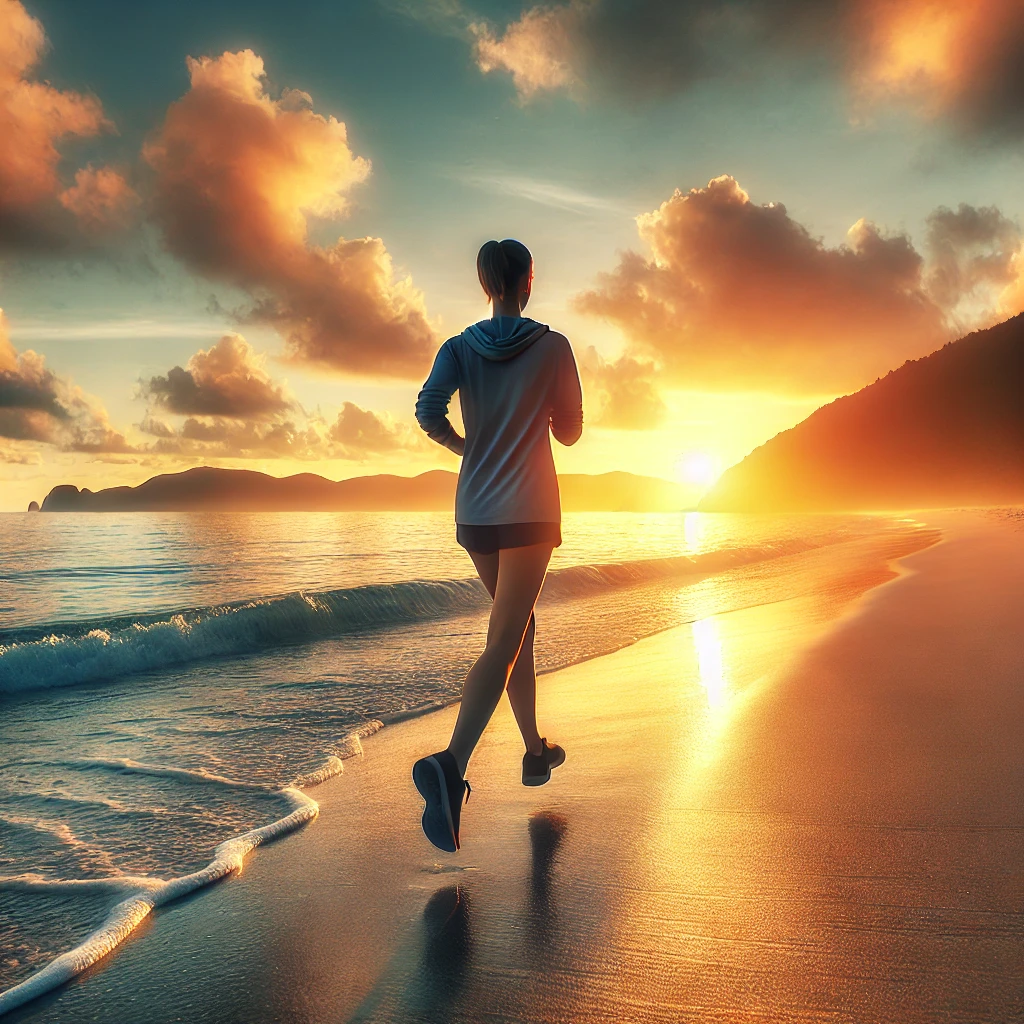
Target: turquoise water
164,677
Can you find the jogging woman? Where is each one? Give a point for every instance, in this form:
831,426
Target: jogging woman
516,380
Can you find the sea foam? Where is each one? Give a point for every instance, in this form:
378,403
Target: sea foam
145,893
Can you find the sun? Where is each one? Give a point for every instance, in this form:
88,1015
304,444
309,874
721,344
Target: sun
698,468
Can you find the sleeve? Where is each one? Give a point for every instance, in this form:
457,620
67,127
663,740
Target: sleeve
435,396
567,404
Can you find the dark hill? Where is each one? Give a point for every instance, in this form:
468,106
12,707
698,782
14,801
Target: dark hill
947,429
238,490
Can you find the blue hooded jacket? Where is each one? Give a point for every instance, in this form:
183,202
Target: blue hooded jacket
517,380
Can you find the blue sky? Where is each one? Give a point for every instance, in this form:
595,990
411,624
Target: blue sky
458,156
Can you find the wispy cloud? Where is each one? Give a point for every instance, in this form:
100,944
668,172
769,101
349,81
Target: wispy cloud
446,17
546,193
43,329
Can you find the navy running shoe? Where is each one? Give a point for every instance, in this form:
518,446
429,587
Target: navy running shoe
443,788
537,767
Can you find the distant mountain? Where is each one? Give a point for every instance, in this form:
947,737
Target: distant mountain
239,490
947,429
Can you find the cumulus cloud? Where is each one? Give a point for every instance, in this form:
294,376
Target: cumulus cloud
35,120
38,405
538,50
973,251
361,432
355,435
737,294
205,437
623,390
101,199
239,175
231,407
961,58
227,380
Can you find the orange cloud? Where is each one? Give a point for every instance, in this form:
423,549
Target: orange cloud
362,432
37,405
239,174
624,392
227,438
736,294
355,435
234,409
228,379
537,50
34,119
973,253
101,199
962,58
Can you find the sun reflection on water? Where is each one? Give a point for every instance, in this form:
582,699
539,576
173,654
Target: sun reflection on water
694,528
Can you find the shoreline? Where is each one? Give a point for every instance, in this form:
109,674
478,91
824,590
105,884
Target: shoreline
284,864
144,894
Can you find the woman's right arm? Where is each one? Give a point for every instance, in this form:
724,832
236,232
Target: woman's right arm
434,397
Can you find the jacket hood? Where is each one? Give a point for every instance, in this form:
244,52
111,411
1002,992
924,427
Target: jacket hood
502,337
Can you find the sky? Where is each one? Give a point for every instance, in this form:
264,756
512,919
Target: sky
236,234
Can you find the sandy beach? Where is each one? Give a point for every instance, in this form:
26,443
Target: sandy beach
810,809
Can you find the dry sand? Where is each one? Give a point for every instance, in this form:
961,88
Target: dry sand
807,810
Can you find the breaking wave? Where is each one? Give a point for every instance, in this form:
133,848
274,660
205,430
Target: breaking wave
85,652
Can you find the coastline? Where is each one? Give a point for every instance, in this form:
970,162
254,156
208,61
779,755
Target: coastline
615,881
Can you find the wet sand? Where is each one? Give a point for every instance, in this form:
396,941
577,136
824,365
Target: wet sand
809,810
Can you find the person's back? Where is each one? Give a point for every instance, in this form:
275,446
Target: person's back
515,378
517,382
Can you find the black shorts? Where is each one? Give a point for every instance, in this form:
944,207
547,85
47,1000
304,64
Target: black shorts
485,540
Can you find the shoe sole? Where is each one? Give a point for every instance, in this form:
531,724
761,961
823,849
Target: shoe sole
540,780
428,776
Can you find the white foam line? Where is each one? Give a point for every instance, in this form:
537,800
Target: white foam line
129,767
40,883
154,892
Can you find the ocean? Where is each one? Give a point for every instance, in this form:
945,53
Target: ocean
174,686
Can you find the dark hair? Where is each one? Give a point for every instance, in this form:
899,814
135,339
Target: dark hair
501,266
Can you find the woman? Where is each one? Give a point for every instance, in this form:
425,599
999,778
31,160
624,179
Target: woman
516,379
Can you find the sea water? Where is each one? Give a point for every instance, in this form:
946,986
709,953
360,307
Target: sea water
170,682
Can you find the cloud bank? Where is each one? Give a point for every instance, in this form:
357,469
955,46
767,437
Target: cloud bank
739,295
622,393
238,177
35,120
228,379
233,408
958,58
37,405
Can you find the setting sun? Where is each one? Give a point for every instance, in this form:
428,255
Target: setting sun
698,468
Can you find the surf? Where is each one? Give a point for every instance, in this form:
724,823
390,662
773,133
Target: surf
73,654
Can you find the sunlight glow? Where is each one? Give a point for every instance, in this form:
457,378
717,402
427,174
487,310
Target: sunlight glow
698,468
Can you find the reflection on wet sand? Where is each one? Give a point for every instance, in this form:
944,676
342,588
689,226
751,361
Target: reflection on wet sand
709,660
547,829
446,955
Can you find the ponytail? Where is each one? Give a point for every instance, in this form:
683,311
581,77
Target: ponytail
501,266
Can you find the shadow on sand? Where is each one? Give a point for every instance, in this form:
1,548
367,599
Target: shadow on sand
431,976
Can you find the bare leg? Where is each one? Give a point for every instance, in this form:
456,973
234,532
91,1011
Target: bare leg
520,576
522,683
522,691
